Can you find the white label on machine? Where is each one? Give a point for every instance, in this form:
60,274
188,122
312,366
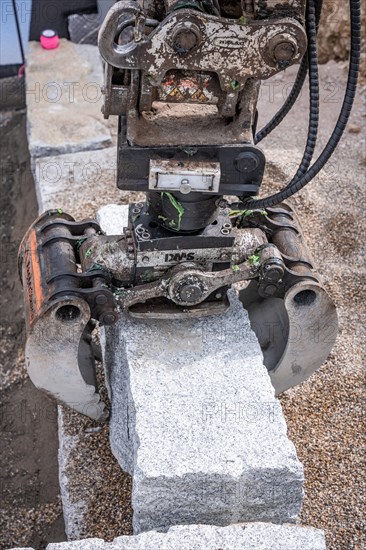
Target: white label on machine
174,175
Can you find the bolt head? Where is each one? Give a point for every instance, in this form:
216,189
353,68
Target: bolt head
273,273
270,290
185,37
246,161
108,319
190,293
101,299
185,188
281,49
284,51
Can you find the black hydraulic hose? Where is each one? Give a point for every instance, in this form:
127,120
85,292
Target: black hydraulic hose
354,63
295,90
313,92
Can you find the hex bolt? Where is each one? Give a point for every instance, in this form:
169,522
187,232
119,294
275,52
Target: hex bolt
281,49
224,256
101,299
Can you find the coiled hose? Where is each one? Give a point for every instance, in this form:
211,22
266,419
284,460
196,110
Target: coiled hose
296,184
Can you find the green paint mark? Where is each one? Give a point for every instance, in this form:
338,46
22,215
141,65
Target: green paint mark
234,213
177,205
243,20
254,260
59,210
234,84
235,268
88,253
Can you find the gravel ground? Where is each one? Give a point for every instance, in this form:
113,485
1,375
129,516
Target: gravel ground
325,414
97,485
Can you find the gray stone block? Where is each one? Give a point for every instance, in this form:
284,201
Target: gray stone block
254,536
195,421
74,182
64,99
73,507
114,218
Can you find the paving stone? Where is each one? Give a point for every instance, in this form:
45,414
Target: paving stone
73,181
63,94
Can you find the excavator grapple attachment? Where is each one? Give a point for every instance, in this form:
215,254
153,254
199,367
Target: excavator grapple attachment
296,328
184,80
58,304
296,333
60,359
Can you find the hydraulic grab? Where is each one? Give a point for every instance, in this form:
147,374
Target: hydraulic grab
184,81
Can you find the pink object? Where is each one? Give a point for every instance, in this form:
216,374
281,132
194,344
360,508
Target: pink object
49,39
